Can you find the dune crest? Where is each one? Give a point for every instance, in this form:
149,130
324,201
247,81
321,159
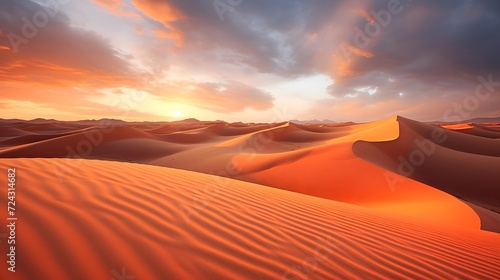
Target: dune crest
460,164
333,171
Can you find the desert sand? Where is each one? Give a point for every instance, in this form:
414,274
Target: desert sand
393,198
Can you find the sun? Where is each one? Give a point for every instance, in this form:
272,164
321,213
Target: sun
177,114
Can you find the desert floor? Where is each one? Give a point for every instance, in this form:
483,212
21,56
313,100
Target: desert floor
391,199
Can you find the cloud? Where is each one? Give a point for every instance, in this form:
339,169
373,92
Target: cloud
111,5
428,50
298,37
65,103
63,67
57,67
257,34
117,8
429,42
220,97
51,52
423,62
160,10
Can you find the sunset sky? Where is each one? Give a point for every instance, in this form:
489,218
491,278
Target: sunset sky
249,60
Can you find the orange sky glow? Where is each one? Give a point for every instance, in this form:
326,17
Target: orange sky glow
251,61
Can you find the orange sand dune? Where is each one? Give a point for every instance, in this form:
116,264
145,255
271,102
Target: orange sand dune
491,126
301,134
6,131
458,126
117,143
48,127
477,130
109,218
224,129
332,171
30,138
460,164
329,170
164,129
310,159
495,127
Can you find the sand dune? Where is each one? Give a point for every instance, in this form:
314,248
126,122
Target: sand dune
117,143
295,133
333,171
6,132
160,223
491,126
321,201
484,130
314,159
461,164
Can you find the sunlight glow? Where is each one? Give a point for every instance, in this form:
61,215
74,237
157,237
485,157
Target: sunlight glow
177,114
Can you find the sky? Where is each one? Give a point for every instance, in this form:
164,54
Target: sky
249,60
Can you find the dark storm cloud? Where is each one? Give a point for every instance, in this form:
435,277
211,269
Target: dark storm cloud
433,42
427,40
265,35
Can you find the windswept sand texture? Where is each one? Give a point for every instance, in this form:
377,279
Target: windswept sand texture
111,215
389,199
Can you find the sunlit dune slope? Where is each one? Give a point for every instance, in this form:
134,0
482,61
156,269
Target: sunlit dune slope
110,218
483,130
464,165
331,170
